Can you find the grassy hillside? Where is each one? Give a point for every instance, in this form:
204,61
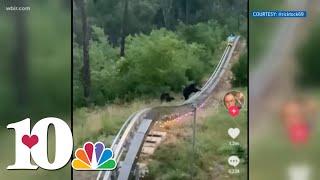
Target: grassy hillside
173,160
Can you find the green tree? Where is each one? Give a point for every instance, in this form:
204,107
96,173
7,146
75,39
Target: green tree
209,34
240,72
85,71
159,62
308,59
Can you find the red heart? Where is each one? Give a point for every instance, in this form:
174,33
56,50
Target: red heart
299,133
30,141
233,111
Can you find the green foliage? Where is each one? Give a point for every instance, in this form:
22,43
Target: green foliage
209,34
240,72
159,62
109,15
46,45
173,166
154,63
309,59
47,78
77,65
103,59
144,15
156,60
229,150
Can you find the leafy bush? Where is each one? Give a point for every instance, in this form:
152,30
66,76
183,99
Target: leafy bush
209,34
153,64
103,60
78,98
161,61
102,69
239,71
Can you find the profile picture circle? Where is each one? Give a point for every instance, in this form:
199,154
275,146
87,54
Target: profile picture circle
233,98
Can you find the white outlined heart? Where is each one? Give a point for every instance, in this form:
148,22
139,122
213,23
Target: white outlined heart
234,132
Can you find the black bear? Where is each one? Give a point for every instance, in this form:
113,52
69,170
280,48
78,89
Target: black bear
189,89
166,97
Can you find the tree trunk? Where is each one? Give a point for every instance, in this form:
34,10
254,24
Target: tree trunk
166,7
187,11
124,29
85,45
20,59
164,18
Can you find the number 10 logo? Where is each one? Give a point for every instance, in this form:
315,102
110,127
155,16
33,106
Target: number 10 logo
35,143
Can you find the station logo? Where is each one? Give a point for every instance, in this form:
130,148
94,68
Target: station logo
32,143
94,157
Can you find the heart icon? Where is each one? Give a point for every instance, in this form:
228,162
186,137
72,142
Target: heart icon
30,141
233,111
299,133
234,132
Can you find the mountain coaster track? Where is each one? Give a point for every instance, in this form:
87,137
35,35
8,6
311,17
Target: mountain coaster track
128,142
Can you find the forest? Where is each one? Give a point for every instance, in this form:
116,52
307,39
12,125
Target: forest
128,49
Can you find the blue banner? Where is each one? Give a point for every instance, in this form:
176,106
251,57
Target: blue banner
278,14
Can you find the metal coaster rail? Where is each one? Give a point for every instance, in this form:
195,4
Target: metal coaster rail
128,142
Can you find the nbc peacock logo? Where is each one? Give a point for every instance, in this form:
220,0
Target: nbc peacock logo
94,157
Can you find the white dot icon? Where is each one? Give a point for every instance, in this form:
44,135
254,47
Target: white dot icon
234,161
